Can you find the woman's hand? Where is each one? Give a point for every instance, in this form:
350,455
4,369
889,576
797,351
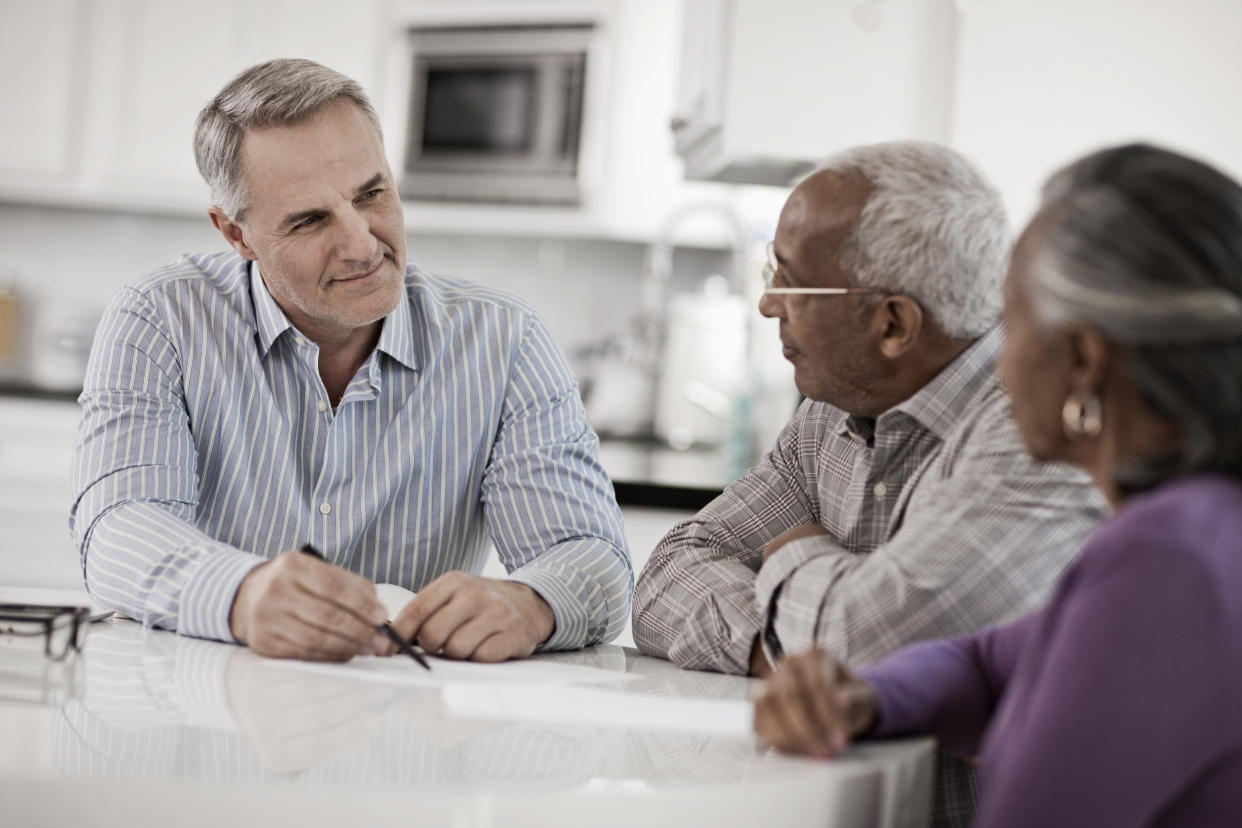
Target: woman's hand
813,706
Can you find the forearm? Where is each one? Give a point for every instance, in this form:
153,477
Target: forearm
947,688
147,563
695,605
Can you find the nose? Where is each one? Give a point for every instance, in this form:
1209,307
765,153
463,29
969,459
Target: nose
356,242
771,306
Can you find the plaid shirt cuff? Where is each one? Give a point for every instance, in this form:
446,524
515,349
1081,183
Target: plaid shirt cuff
770,594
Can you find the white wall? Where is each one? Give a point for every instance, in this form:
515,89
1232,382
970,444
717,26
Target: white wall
1041,82
585,287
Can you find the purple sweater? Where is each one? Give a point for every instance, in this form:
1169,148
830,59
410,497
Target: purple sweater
1120,703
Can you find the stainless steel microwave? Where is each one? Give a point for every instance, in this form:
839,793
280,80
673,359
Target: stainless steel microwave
495,113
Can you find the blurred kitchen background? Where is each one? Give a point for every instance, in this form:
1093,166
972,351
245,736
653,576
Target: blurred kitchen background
618,163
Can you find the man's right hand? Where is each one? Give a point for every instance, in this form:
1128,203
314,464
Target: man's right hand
298,606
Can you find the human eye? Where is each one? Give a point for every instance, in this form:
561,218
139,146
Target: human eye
372,194
307,223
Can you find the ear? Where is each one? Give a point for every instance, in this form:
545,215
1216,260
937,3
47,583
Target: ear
232,232
1089,357
897,322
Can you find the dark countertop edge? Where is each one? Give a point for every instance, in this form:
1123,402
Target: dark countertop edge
660,496
25,390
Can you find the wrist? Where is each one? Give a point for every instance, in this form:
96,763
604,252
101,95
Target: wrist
541,620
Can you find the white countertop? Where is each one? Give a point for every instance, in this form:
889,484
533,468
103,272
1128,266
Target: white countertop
150,728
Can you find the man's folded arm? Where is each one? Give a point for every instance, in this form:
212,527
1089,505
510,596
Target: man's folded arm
695,599
550,508
976,548
135,485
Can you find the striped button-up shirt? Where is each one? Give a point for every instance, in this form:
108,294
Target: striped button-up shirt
208,444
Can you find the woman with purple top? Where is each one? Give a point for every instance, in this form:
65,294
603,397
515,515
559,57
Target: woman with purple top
1120,703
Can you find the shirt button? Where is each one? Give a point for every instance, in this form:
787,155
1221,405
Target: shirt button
325,508
880,490
321,405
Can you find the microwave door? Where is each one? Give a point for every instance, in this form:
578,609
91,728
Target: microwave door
508,125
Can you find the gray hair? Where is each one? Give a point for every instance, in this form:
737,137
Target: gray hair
1145,246
276,93
933,228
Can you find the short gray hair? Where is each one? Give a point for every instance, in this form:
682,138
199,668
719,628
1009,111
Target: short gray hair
933,228
280,92
1145,246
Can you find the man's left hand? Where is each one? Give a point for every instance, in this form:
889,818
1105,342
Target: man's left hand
478,619
793,533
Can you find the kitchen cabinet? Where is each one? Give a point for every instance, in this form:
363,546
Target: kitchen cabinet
36,448
100,97
770,86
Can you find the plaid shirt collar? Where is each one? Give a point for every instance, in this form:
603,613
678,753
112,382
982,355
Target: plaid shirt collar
938,406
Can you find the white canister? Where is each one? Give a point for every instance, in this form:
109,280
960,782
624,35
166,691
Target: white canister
703,369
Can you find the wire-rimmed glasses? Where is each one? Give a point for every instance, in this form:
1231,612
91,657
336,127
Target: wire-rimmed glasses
61,627
772,267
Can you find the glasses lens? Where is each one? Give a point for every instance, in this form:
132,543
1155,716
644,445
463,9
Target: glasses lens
63,636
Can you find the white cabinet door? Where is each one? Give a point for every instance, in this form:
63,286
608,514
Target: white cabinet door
800,79
112,87
36,447
37,88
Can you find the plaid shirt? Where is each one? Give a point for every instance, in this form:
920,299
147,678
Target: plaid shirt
939,524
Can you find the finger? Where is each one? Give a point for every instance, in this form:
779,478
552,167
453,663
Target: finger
464,642
428,600
769,725
500,647
791,712
440,626
347,590
292,624
816,700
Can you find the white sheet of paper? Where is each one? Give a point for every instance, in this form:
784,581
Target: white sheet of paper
394,598
400,669
599,707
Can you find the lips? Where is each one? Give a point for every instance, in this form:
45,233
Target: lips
357,277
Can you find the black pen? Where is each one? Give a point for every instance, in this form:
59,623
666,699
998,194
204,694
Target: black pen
386,627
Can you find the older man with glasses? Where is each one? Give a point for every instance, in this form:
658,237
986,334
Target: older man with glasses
898,504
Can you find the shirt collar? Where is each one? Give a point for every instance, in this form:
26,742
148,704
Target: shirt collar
269,318
395,339
938,406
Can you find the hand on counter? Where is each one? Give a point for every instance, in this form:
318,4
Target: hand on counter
481,619
298,606
813,705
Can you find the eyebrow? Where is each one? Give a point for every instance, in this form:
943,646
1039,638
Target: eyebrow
293,218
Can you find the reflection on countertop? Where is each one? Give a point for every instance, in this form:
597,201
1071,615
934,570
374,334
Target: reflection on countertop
149,727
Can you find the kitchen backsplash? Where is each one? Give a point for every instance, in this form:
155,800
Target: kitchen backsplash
72,261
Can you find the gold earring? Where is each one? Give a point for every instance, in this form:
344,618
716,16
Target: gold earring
1082,415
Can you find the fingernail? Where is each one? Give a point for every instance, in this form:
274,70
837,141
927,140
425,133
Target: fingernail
377,615
838,741
379,644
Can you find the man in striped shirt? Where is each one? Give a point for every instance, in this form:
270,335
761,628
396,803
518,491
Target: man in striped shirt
310,387
899,502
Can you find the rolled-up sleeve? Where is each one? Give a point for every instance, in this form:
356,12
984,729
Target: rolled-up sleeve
135,484
550,507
